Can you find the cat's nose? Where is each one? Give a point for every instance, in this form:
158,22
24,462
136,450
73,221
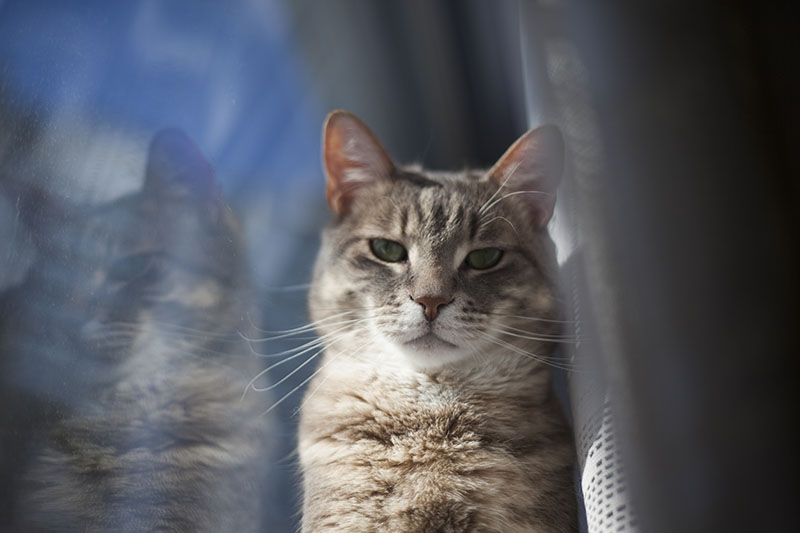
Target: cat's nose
432,304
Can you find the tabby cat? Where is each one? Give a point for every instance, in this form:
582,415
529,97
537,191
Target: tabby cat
121,364
434,292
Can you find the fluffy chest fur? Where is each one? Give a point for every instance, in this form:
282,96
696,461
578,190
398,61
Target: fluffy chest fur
456,450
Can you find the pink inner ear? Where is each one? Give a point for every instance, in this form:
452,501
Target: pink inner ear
352,157
530,170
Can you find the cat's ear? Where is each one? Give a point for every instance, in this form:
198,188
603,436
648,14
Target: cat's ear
176,168
532,168
352,157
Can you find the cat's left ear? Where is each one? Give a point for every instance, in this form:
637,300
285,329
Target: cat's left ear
532,168
177,169
353,157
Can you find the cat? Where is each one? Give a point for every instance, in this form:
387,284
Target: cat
434,292
121,362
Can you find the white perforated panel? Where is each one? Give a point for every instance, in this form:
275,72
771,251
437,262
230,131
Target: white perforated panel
605,490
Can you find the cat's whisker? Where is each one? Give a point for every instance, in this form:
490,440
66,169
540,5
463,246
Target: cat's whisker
304,363
168,327
291,357
351,309
550,336
185,336
510,173
530,355
500,218
285,288
508,195
538,319
290,374
305,329
210,357
305,381
533,337
316,341
194,349
360,349
302,329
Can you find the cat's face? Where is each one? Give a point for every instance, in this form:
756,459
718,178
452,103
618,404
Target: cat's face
433,264
112,279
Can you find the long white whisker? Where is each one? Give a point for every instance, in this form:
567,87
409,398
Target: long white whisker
552,336
356,351
293,372
538,319
305,348
285,288
514,194
313,343
503,219
307,327
287,359
510,173
544,358
533,338
173,329
529,355
286,335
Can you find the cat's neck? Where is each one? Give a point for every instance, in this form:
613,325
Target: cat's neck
496,370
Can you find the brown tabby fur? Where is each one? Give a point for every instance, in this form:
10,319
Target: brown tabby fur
447,425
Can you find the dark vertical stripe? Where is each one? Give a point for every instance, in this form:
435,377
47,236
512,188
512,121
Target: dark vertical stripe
404,222
458,219
473,226
438,219
418,216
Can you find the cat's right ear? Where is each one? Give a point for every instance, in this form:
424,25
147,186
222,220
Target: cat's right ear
178,171
176,167
352,157
531,170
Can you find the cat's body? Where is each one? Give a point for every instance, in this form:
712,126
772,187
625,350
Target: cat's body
432,409
122,368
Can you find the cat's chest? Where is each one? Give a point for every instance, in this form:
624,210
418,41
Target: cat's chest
391,417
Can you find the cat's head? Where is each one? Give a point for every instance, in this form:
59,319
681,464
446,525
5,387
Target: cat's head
111,278
437,266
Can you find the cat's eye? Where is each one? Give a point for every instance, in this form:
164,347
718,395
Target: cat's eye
389,251
484,258
131,267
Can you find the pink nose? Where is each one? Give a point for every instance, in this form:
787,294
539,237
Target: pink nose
432,304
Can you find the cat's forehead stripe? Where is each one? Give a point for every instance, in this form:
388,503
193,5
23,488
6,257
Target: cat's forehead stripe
474,226
404,222
418,179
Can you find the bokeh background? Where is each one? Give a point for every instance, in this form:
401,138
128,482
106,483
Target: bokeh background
678,219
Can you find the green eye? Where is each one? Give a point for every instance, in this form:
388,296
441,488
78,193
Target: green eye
388,251
485,258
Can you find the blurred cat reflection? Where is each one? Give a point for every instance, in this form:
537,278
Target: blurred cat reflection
122,366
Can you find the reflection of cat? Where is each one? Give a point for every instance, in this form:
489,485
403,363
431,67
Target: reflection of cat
121,366
434,293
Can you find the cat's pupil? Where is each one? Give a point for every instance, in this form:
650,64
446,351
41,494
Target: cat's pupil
387,250
484,258
131,267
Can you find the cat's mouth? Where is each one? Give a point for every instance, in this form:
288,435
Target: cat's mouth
429,342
